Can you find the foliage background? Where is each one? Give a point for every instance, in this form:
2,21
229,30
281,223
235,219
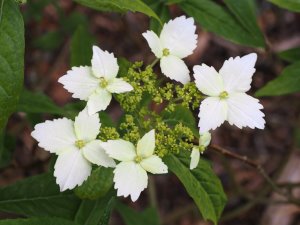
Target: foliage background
53,28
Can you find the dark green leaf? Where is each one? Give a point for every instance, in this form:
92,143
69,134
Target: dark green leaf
38,221
162,10
201,184
219,20
106,120
245,13
81,47
49,41
181,115
97,185
36,102
71,22
38,196
11,61
290,55
293,5
132,217
120,6
287,82
95,212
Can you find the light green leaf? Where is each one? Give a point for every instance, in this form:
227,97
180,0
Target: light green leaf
290,55
201,184
38,196
132,217
219,20
292,5
95,212
11,60
245,13
38,221
97,185
181,115
81,47
286,83
120,6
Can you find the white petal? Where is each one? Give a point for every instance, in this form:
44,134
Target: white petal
87,126
118,85
94,152
55,136
244,110
213,113
98,101
195,157
130,179
146,146
120,149
175,68
205,139
80,82
207,80
71,169
154,164
154,43
237,73
179,36
104,64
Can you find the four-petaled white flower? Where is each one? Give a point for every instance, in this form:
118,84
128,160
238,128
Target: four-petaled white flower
177,40
130,175
76,146
227,98
97,83
204,141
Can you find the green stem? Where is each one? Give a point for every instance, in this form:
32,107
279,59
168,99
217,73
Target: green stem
154,62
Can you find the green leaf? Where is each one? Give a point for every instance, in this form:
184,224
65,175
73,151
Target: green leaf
245,13
290,55
132,217
81,47
38,196
49,41
70,23
37,102
38,221
201,184
286,83
11,61
120,6
219,20
97,185
292,5
181,115
162,10
95,212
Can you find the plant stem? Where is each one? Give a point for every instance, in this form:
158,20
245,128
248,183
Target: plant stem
154,62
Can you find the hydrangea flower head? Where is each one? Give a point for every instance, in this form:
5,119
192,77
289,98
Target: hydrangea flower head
96,84
204,141
176,41
227,99
76,146
130,175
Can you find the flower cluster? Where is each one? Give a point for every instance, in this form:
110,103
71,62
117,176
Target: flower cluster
144,137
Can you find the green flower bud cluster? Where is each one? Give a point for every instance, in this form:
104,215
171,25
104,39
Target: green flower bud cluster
129,129
172,139
143,82
189,95
108,133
